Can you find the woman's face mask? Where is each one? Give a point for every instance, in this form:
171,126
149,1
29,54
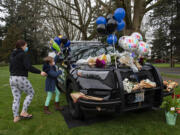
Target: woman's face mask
26,49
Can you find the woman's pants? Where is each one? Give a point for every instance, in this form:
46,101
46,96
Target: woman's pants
49,96
18,85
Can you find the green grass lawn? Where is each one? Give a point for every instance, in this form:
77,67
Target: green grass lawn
131,123
163,65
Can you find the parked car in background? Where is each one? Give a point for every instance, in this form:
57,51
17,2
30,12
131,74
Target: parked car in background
159,61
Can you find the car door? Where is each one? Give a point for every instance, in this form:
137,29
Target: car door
62,78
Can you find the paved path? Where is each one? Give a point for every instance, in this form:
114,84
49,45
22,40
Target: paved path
175,71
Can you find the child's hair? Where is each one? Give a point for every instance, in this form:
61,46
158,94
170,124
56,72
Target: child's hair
48,59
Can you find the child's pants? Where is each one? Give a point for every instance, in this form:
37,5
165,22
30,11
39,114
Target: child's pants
18,85
49,96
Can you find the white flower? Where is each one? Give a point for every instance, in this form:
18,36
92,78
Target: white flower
172,108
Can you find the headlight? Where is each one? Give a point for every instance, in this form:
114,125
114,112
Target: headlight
93,74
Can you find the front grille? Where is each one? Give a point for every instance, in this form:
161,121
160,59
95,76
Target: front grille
98,93
140,75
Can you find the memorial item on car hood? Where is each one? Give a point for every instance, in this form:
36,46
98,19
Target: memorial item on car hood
103,60
130,86
147,84
78,95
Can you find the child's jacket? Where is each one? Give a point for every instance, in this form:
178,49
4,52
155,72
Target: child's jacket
51,79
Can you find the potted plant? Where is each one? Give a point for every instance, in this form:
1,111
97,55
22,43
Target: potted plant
171,106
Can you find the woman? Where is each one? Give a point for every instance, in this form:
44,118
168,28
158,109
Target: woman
19,68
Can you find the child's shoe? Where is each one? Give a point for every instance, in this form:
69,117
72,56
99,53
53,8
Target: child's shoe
58,107
46,110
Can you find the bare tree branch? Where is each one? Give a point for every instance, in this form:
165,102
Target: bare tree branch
103,4
62,15
78,11
74,17
69,4
154,5
148,2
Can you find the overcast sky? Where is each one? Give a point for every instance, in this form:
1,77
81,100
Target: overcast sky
2,15
145,19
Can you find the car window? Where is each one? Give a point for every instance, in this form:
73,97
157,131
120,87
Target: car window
88,53
79,56
84,50
100,51
110,49
76,48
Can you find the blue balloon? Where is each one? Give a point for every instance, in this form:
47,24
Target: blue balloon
121,25
112,39
119,14
57,40
67,44
101,20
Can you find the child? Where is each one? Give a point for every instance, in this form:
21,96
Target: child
51,81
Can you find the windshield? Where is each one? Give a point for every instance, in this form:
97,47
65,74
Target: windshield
83,52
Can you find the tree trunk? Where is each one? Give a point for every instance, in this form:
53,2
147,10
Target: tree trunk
84,33
139,11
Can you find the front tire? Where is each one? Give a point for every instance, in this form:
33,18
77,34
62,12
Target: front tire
74,108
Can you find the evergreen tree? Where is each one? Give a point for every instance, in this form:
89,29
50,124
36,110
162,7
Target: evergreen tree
8,43
1,35
162,20
25,16
160,47
175,31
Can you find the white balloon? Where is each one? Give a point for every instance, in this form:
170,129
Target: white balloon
143,48
137,36
128,43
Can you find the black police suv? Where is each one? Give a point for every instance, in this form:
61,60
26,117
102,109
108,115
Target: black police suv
106,83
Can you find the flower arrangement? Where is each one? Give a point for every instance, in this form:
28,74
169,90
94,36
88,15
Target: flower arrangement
100,63
171,104
178,100
172,108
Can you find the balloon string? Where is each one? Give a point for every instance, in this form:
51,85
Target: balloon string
114,50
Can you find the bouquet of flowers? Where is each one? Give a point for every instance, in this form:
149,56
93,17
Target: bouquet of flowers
170,104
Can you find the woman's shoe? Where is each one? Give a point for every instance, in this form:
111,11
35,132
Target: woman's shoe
25,115
16,119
